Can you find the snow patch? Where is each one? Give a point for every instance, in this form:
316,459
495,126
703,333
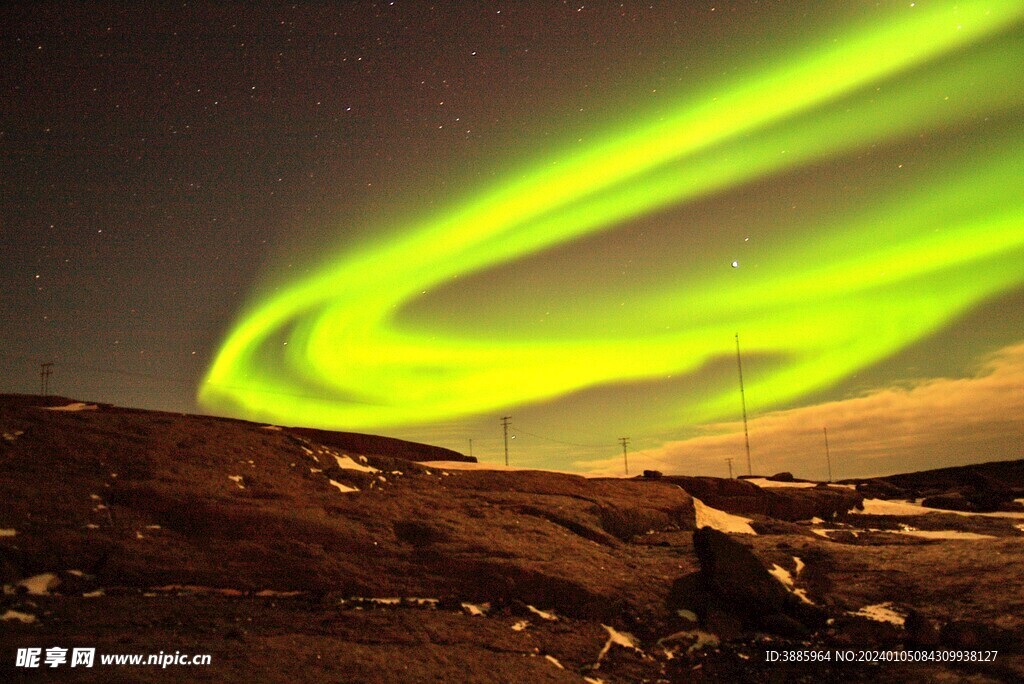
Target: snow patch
782,574
698,638
94,594
817,521
76,406
883,507
40,585
272,427
799,565
476,609
943,534
237,479
20,617
554,661
1020,527
706,516
7,532
543,614
615,638
346,463
342,488
520,626
764,482
881,612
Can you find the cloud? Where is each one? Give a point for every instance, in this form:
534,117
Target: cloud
928,424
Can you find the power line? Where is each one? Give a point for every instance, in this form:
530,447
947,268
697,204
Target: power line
558,441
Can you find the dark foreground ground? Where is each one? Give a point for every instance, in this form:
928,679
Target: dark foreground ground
291,555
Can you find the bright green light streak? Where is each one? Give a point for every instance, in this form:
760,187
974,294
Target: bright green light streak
347,364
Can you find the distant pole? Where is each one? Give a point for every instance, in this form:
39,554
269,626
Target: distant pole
729,461
504,425
743,402
828,456
624,441
45,371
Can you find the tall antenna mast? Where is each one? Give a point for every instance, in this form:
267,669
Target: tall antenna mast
828,456
624,441
743,402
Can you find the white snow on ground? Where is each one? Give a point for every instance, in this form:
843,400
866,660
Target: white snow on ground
780,573
342,488
720,520
520,626
551,659
617,638
462,465
799,565
15,615
1020,527
237,479
763,482
943,534
346,463
271,427
817,521
883,507
76,406
94,594
697,638
476,609
881,612
7,532
278,594
40,585
543,613
387,601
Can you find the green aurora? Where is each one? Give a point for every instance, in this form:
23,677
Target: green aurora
354,345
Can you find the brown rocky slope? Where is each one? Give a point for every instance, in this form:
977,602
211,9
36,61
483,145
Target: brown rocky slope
298,555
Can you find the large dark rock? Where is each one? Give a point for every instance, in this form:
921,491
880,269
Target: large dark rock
733,591
881,489
782,503
951,501
732,572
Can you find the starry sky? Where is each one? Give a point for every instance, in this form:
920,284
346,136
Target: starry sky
415,218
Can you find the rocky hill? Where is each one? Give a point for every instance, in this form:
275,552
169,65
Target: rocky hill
304,555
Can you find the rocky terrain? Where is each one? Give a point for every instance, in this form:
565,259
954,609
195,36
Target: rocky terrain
304,555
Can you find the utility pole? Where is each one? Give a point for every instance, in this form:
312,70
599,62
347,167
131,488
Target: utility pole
743,402
624,441
729,461
45,371
504,425
828,456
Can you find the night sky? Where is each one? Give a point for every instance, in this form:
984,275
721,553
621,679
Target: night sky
412,219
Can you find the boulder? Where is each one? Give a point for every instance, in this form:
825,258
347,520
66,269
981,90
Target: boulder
950,501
